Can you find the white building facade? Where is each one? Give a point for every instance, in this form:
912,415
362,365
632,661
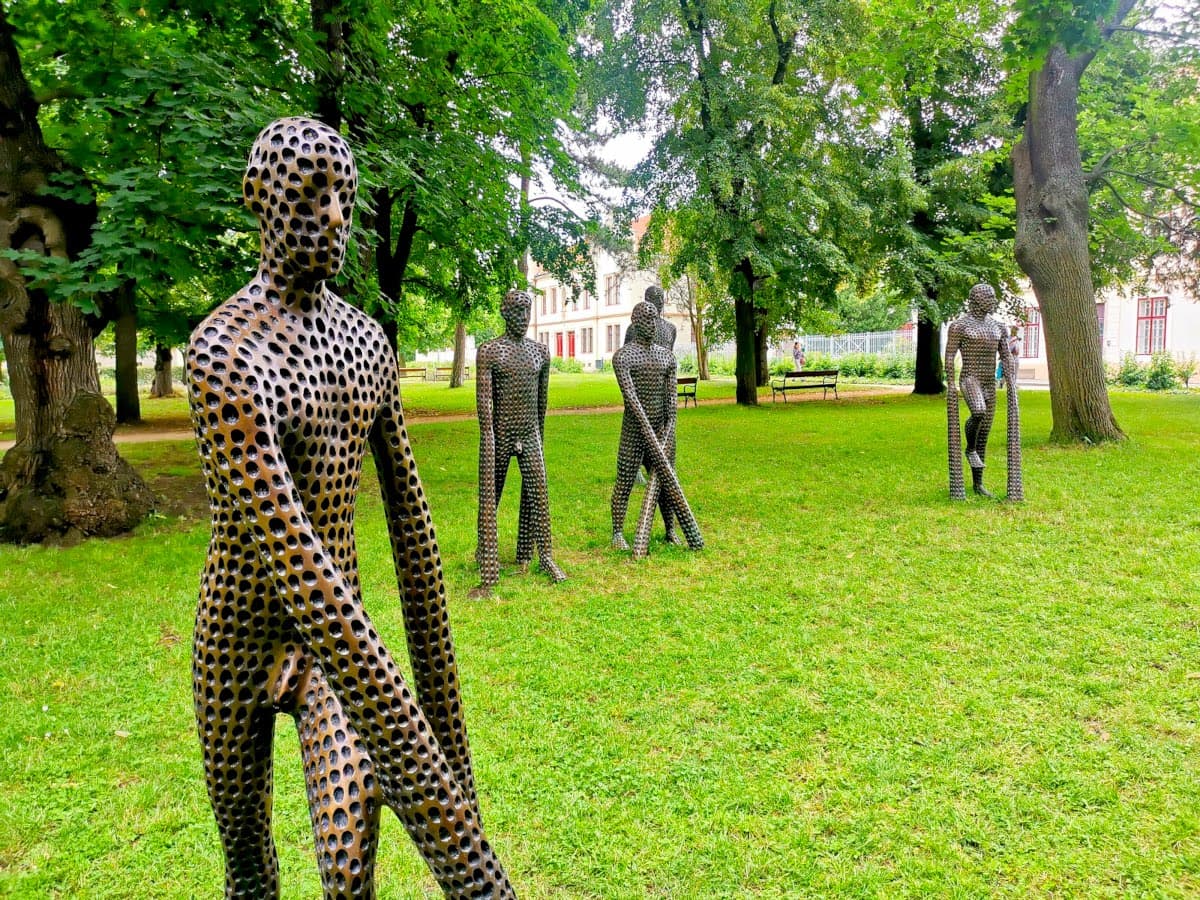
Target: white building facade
1157,319
591,327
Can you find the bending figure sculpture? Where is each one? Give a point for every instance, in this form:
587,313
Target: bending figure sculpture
646,374
288,386
978,338
512,377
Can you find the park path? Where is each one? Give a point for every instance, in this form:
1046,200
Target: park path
144,434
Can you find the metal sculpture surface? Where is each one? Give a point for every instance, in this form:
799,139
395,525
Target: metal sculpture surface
512,377
664,336
288,387
646,374
664,331
979,338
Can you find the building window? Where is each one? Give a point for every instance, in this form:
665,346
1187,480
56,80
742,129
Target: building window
1031,334
612,290
1100,321
553,292
587,300
1151,325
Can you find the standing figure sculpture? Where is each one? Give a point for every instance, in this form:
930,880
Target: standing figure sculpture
288,387
664,336
646,374
512,378
980,339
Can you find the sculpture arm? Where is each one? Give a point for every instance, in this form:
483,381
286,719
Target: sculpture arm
953,342
543,398
671,404
487,553
418,565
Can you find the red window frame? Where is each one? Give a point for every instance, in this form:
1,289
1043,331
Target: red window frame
1151,325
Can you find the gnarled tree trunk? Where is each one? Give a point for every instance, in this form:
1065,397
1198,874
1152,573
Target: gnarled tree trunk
64,477
1052,250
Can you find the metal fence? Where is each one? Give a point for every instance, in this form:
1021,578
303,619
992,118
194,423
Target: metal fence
877,343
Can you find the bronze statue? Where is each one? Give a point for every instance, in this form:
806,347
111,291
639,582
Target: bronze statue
979,338
512,377
288,385
646,374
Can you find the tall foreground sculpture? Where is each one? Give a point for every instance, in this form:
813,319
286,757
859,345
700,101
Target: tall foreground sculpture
980,339
288,387
512,378
646,375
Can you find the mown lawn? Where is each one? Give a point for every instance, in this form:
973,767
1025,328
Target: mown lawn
857,689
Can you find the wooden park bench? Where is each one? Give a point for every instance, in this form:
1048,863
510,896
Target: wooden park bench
439,371
807,379
687,389
411,372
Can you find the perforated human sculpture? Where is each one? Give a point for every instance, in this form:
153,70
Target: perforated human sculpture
664,331
646,374
288,387
512,378
978,339
664,336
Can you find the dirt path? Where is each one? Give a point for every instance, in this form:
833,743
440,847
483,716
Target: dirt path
143,434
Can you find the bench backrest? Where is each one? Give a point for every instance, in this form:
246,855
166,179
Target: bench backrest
813,373
686,379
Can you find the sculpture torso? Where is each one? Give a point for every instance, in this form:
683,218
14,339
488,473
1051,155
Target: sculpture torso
649,367
980,342
307,372
516,368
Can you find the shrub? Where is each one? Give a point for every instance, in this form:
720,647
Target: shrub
782,366
859,365
569,366
1185,369
721,365
897,366
687,365
1161,373
819,361
1131,374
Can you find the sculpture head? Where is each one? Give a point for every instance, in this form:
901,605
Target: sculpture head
644,321
514,310
300,181
654,294
981,300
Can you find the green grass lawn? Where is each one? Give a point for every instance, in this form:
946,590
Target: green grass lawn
857,689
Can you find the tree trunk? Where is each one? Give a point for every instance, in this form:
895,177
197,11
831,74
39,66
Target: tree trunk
745,335
1052,250
930,377
129,408
64,477
163,384
458,367
696,312
761,350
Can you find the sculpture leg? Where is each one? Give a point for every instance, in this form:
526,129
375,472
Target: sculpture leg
535,512
343,796
236,739
1016,487
641,535
629,461
664,504
983,408
954,447
526,524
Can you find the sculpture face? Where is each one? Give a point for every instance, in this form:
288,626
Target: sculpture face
654,294
981,301
301,182
515,310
